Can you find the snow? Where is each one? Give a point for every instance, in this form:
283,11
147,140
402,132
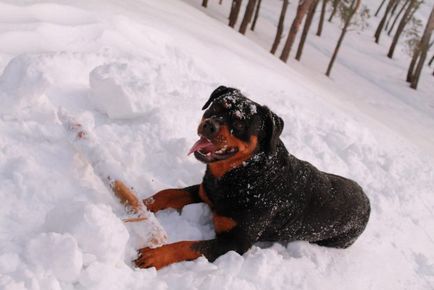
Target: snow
135,74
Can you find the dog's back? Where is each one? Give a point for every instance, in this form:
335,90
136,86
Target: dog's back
317,207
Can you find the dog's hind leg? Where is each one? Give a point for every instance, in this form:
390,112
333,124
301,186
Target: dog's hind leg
343,240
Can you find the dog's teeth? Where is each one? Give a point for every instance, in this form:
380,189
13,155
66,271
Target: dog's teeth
208,154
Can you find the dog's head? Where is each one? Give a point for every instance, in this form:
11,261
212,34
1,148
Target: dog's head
234,127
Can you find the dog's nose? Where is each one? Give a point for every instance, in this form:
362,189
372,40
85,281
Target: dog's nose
209,128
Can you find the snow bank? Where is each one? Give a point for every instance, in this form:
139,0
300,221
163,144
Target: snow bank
109,235
136,75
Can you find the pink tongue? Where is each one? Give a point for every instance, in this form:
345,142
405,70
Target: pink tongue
200,144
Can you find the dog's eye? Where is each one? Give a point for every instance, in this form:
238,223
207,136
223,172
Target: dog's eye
238,125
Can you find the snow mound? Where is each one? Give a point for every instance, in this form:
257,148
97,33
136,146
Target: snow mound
109,235
57,254
21,84
120,92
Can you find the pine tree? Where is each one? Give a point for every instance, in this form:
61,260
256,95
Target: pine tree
258,7
348,15
383,20
423,50
302,8
404,20
322,17
235,10
279,27
379,7
306,28
248,14
404,5
335,6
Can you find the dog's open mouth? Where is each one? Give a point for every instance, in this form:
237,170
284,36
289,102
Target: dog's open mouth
205,151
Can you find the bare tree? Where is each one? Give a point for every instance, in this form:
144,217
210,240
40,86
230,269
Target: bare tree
306,27
423,47
205,3
431,61
321,18
335,5
258,7
220,2
379,8
398,15
280,27
348,16
383,20
248,14
392,12
404,20
235,10
302,8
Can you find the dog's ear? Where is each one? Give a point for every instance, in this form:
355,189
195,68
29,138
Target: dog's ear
273,129
220,91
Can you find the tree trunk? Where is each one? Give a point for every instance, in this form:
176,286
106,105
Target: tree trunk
383,20
397,16
250,9
379,8
306,28
423,47
303,7
321,19
415,57
235,10
392,12
258,7
354,5
220,2
400,29
335,8
431,61
280,27
410,71
205,3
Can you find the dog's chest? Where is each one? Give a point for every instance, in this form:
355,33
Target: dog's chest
243,188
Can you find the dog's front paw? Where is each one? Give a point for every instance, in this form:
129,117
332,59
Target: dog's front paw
157,257
152,205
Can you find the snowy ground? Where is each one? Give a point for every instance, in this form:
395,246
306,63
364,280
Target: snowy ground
59,226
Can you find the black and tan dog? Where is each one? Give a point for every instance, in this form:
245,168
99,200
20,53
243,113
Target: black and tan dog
256,190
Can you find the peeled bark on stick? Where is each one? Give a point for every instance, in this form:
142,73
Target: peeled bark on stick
423,46
306,28
354,6
383,21
235,10
398,15
335,6
303,7
248,14
400,29
258,7
379,8
279,27
321,19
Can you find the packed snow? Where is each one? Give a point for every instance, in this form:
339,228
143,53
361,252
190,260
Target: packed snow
135,74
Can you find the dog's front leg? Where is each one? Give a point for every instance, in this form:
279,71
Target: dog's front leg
238,235
173,198
186,251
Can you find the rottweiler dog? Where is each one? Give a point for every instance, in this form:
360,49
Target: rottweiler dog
256,190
